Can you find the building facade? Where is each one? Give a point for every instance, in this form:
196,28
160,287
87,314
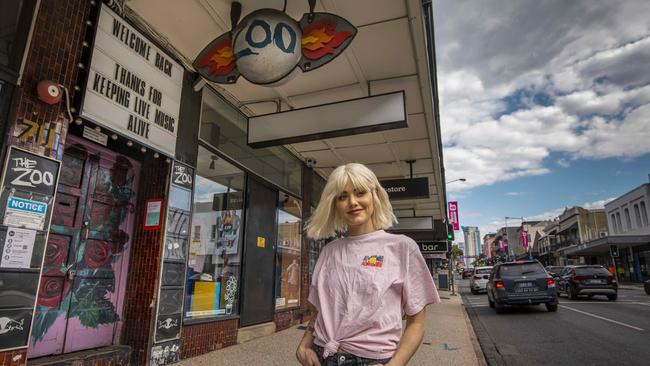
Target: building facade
472,237
155,232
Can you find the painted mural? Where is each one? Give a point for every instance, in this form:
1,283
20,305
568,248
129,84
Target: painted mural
82,283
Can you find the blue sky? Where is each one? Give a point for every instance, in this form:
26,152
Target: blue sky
543,105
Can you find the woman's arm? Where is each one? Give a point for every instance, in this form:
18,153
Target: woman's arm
305,355
411,339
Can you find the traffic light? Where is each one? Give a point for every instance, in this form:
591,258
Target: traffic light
450,232
613,250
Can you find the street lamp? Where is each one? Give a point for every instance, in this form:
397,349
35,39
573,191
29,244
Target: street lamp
450,264
457,180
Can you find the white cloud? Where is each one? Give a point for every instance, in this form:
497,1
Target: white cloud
513,193
587,63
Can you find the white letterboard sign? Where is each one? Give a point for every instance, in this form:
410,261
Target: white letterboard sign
133,88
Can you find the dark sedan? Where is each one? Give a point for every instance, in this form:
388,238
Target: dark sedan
521,283
587,280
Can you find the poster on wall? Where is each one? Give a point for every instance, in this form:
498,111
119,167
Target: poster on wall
18,248
133,87
30,172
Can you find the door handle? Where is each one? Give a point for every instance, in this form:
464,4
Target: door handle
86,229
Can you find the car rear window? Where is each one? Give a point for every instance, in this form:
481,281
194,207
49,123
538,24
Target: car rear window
483,271
516,270
590,271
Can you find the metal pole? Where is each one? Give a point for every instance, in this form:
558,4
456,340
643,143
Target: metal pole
452,283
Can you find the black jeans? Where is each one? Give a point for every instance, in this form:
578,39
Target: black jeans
345,359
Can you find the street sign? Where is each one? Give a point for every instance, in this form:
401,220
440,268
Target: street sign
432,247
452,207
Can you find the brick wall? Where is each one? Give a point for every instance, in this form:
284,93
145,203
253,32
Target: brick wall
13,358
54,52
144,265
198,339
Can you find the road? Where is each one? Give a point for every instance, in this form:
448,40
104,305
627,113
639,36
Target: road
582,332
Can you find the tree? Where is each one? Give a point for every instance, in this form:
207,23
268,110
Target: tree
456,252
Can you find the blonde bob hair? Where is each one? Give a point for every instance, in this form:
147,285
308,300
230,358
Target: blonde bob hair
326,222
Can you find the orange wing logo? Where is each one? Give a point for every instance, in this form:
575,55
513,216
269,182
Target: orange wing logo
220,60
321,38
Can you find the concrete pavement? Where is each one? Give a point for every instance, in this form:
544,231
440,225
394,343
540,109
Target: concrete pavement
449,340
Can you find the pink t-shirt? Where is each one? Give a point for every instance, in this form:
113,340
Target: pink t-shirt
361,286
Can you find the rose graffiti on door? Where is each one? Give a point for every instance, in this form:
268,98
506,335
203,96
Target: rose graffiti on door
80,299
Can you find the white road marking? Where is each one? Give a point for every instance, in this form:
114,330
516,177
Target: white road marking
643,303
603,318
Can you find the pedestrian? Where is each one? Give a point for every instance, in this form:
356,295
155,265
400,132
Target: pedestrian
364,282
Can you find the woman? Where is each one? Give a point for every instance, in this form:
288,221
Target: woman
364,282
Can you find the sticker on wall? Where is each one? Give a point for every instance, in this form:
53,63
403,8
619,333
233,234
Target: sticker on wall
14,327
268,47
165,353
153,214
231,291
168,327
261,242
18,248
25,213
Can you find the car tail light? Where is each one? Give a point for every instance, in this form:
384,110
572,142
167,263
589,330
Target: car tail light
550,282
611,279
477,277
499,284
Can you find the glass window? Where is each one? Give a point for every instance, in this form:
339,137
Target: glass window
628,220
644,214
637,215
224,127
618,222
287,259
216,247
614,223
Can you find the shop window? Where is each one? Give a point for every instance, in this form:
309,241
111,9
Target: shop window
618,222
213,274
224,128
287,260
644,214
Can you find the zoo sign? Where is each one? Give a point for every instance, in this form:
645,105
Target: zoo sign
268,47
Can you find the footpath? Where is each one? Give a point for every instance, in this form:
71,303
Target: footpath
449,340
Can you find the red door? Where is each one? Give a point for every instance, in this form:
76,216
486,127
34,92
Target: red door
80,300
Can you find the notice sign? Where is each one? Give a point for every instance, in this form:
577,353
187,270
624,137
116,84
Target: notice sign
18,248
133,87
153,214
25,213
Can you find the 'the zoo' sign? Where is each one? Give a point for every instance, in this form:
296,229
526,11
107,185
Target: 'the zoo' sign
268,47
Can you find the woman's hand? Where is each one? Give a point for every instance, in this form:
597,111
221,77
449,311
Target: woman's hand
306,356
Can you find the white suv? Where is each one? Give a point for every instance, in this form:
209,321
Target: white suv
479,278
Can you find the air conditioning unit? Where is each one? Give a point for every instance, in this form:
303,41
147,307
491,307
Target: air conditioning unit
603,234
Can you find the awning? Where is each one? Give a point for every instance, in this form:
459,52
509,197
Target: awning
601,246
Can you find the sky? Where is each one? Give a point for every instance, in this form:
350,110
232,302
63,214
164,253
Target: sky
543,105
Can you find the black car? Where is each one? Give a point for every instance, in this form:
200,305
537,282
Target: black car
646,287
587,280
521,283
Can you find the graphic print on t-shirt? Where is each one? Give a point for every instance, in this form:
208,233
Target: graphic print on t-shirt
373,261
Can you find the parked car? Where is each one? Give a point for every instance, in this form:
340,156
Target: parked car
587,280
467,272
521,283
554,270
646,286
479,279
